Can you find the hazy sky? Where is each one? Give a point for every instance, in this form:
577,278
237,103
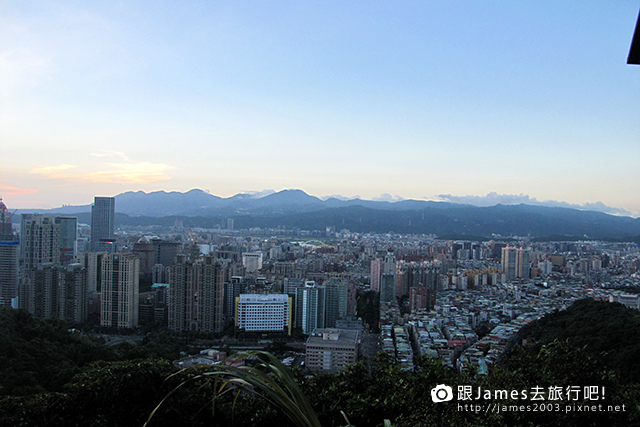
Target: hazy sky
413,99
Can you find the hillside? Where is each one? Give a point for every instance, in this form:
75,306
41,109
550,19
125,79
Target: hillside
296,209
126,392
609,333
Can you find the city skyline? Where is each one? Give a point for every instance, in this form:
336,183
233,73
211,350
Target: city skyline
410,100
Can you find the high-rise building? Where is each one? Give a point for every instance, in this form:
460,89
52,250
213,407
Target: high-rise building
92,262
144,250
165,251
38,291
103,224
290,285
516,263
159,273
310,306
73,295
9,258
161,312
523,264
376,274
387,287
9,270
50,291
196,294
6,229
120,290
336,299
422,298
232,290
264,312
39,241
509,257
68,239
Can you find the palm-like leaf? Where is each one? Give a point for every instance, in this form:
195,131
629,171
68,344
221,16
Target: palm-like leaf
268,379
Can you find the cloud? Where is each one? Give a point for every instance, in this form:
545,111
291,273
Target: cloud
258,194
16,191
493,198
125,172
130,173
386,197
105,153
54,172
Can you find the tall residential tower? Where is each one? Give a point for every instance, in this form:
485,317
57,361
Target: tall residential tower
39,241
9,258
103,224
120,290
196,294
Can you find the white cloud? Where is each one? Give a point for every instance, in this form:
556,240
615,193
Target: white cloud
105,153
258,194
125,172
53,172
386,197
493,198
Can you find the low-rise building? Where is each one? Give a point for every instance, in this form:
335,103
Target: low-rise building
331,350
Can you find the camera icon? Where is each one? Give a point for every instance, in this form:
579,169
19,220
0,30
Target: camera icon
441,393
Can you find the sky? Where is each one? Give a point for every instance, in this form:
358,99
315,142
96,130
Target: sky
438,100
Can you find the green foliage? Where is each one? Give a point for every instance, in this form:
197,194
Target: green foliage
38,355
48,409
266,379
114,393
157,345
388,393
555,365
609,333
119,393
51,379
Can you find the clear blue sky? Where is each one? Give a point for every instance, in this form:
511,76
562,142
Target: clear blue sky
410,99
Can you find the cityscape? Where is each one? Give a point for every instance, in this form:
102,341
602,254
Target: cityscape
321,300
396,214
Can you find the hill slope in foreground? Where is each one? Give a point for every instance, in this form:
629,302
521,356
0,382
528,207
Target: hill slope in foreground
591,344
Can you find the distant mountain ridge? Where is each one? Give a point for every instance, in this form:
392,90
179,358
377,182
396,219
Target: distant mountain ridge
200,203
295,208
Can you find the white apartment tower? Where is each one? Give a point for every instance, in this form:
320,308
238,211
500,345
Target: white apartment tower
39,241
120,290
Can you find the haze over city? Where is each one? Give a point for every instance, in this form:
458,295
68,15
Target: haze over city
475,102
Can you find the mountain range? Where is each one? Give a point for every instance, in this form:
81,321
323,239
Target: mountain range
200,203
295,208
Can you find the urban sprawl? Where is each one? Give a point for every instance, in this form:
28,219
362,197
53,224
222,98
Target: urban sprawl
459,301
